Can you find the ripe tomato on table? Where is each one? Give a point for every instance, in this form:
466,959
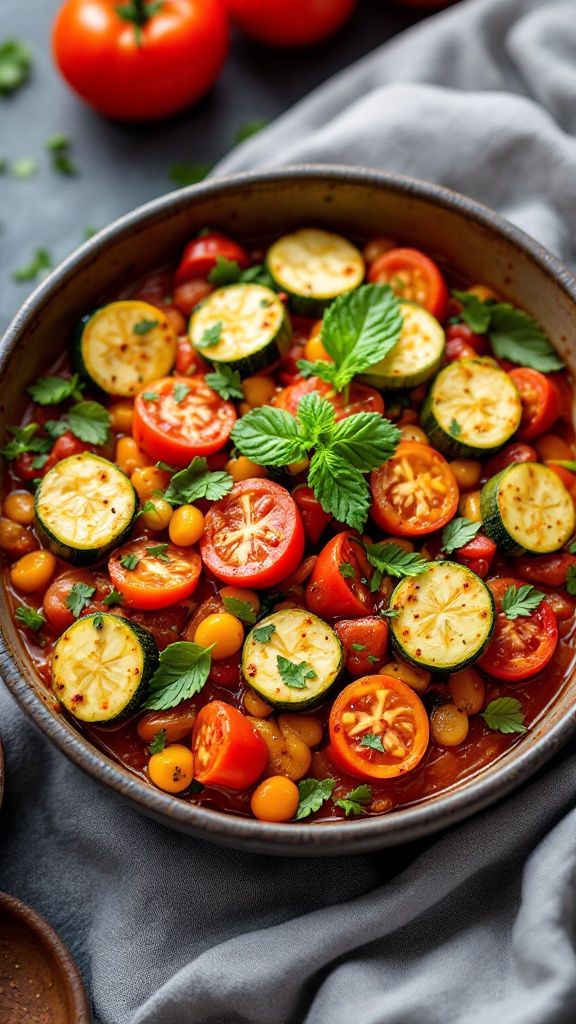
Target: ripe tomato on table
176,418
519,647
413,276
138,60
289,22
415,492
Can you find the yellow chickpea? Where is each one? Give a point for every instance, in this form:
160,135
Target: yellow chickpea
223,630
241,594
416,678
19,507
121,414
129,456
16,539
469,506
467,690
243,469
316,329
158,517
307,728
33,571
400,542
149,479
172,769
275,799
467,472
314,349
255,705
410,432
244,408
258,391
448,725
186,526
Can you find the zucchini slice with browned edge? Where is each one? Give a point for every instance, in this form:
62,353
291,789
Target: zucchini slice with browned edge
245,326
472,409
123,346
444,617
526,507
416,356
292,659
101,667
84,507
313,267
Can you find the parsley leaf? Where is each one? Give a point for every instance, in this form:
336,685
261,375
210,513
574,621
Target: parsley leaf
211,336
62,164
455,428
457,533
57,142
188,174
90,422
55,428
243,610
373,741
197,481
347,571
113,598
514,334
392,560
150,396
79,598
356,800
53,390
15,64
30,618
182,671
226,382
505,715
572,548
23,440
129,562
263,633
521,601
475,313
41,261
180,392
358,647
225,272
159,551
158,742
249,128
313,793
144,326
294,675
571,579
98,621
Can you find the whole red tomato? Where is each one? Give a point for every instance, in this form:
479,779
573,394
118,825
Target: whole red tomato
289,22
138,60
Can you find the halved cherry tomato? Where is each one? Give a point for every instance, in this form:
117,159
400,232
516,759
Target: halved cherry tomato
254,536
478,554
314,518
227,750
414,276
201,256
540,402
57,611
515,452
520,647
549,570
461,332
415,492
361,398
364,642
372,709
186,419
335,590
157,580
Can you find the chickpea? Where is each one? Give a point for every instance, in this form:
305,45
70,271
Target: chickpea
314,349
410,432
550,447
288,754
316,330
416,678
186,526
258,391
467,472
243,469
482,292
306,727
244,408
467,691
241,594
255,705
172,769
377,247
275,799
448,725
223,630
19,507
177,722
188,294
149,479
121,414
175,319
16,539
469,506
159,517
33,571
129,456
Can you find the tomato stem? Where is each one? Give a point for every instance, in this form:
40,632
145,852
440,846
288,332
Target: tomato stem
138,13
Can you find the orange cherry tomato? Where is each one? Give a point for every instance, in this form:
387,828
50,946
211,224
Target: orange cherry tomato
288,23
413,276
519,647
151,578
202,254
227,749
378,728
540,402
361,397
415,492
335,589
186,419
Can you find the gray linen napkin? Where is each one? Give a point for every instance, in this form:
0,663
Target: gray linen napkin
473,926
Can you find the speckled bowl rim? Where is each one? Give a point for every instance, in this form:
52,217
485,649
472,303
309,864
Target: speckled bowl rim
321,839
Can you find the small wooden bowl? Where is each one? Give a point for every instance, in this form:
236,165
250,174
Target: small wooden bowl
39,981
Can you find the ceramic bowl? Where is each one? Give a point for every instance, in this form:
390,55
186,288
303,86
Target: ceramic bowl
254,207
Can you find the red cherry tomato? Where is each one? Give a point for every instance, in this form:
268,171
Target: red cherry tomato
63,447
289,22
461,332
138,73
155,580
254,536
515,452
364,642
314,518
378,708
361,398
226,672
188,362
457,348
201,256
415,492
478,554
227,749
540,402
186,419
335,590
548,570
57,612
414,276
520,647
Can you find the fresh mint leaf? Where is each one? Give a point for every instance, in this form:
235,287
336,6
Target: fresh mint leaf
197,481
158,742
505,715
15,65
40,262
79,598
457,533
53,390
294,675
367,440
317,417
270,437
571,579
188,174
263,634
225,272
347,571
340,488
226,382
359,329
30,618
243,610
249,128
113,598
211,336
24,440
516,336
474,312
373,741
90,422
355,802
144,326
180,392
182,671
129,562
522,600
313,793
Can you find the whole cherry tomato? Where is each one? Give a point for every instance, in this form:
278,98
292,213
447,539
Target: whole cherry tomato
137,60
336,590
465,335
549,570
540,402
519,647
202,254
227,749
414,276
289,22
57,599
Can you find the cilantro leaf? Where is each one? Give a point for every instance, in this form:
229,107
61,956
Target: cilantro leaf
113,598
313,793
62,163
457,533
79,598
53,390
521,601
393,560
356,800
98,621
41,261
144,326
211,336
268,603
373,741
263,634
294,675
24,440
129,562
571,579
347,571
474,313
270,437
197,481
225,272
90,422
359,329
180,392
505,715
243,610
158,742
55,428
340,488
182,671
226,382
57,142
30,618
358,647
249,128
15,65
188,174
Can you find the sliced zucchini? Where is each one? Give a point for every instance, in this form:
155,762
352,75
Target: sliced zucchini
101,667
84,507
445,617
416,356
313,267
526,507
294,669
245,326
124,346
472,409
